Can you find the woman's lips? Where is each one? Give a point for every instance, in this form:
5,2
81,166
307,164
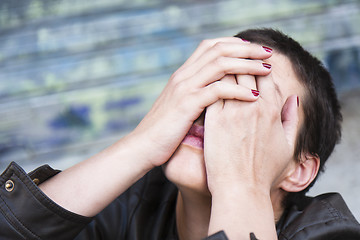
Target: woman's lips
195,137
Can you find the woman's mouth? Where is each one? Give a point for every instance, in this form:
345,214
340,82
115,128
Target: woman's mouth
195,137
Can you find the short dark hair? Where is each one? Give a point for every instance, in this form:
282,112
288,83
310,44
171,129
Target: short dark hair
321,129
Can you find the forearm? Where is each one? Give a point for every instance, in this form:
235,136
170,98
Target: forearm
240,212
91,185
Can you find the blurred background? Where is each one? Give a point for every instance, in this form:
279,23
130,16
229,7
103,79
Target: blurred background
76,75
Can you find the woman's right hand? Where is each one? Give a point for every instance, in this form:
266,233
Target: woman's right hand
189,91
193,87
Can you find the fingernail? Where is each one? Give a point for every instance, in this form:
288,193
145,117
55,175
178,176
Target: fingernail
255,92
298,101
269,50
266,65
244,40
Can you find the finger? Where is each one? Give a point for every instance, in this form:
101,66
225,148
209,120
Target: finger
233,47
213,110
224,90
209,43
270,91
236,50
223,66
248,81
229,79
290,119
219,104
227,49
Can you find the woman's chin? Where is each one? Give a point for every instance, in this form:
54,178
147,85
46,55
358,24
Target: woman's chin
186,169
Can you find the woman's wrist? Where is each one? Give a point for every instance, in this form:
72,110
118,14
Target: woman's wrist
234,190
239,210
137,149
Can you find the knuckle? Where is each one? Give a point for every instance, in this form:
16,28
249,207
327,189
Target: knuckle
257,109
222,120
180,87
272,113
220,66
215,88
219,62
219,47
233,114
175,77
206,43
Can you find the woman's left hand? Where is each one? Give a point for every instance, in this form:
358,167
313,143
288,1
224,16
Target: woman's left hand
247,146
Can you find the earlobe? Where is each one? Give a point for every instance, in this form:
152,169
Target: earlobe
302,174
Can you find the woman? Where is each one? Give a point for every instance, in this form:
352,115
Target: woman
226,171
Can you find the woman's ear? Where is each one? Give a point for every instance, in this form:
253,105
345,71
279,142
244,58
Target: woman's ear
301,174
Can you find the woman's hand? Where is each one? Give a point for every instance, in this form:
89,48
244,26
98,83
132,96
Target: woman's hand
192,88
250,141
247,146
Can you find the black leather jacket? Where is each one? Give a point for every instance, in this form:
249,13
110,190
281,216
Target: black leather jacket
145,211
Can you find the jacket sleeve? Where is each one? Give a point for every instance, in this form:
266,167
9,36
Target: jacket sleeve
217,236
27,213
222,236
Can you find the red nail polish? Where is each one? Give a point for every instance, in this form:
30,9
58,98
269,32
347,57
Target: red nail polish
244,40
266,65
269,50
255,92
298,103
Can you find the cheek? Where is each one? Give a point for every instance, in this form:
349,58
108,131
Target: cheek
186,169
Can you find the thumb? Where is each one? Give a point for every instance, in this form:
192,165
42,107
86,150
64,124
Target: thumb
290,118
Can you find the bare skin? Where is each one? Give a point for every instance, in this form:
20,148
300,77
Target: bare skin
230,192
212,194
192,88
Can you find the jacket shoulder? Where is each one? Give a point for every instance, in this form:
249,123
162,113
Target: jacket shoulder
27,213
323,217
